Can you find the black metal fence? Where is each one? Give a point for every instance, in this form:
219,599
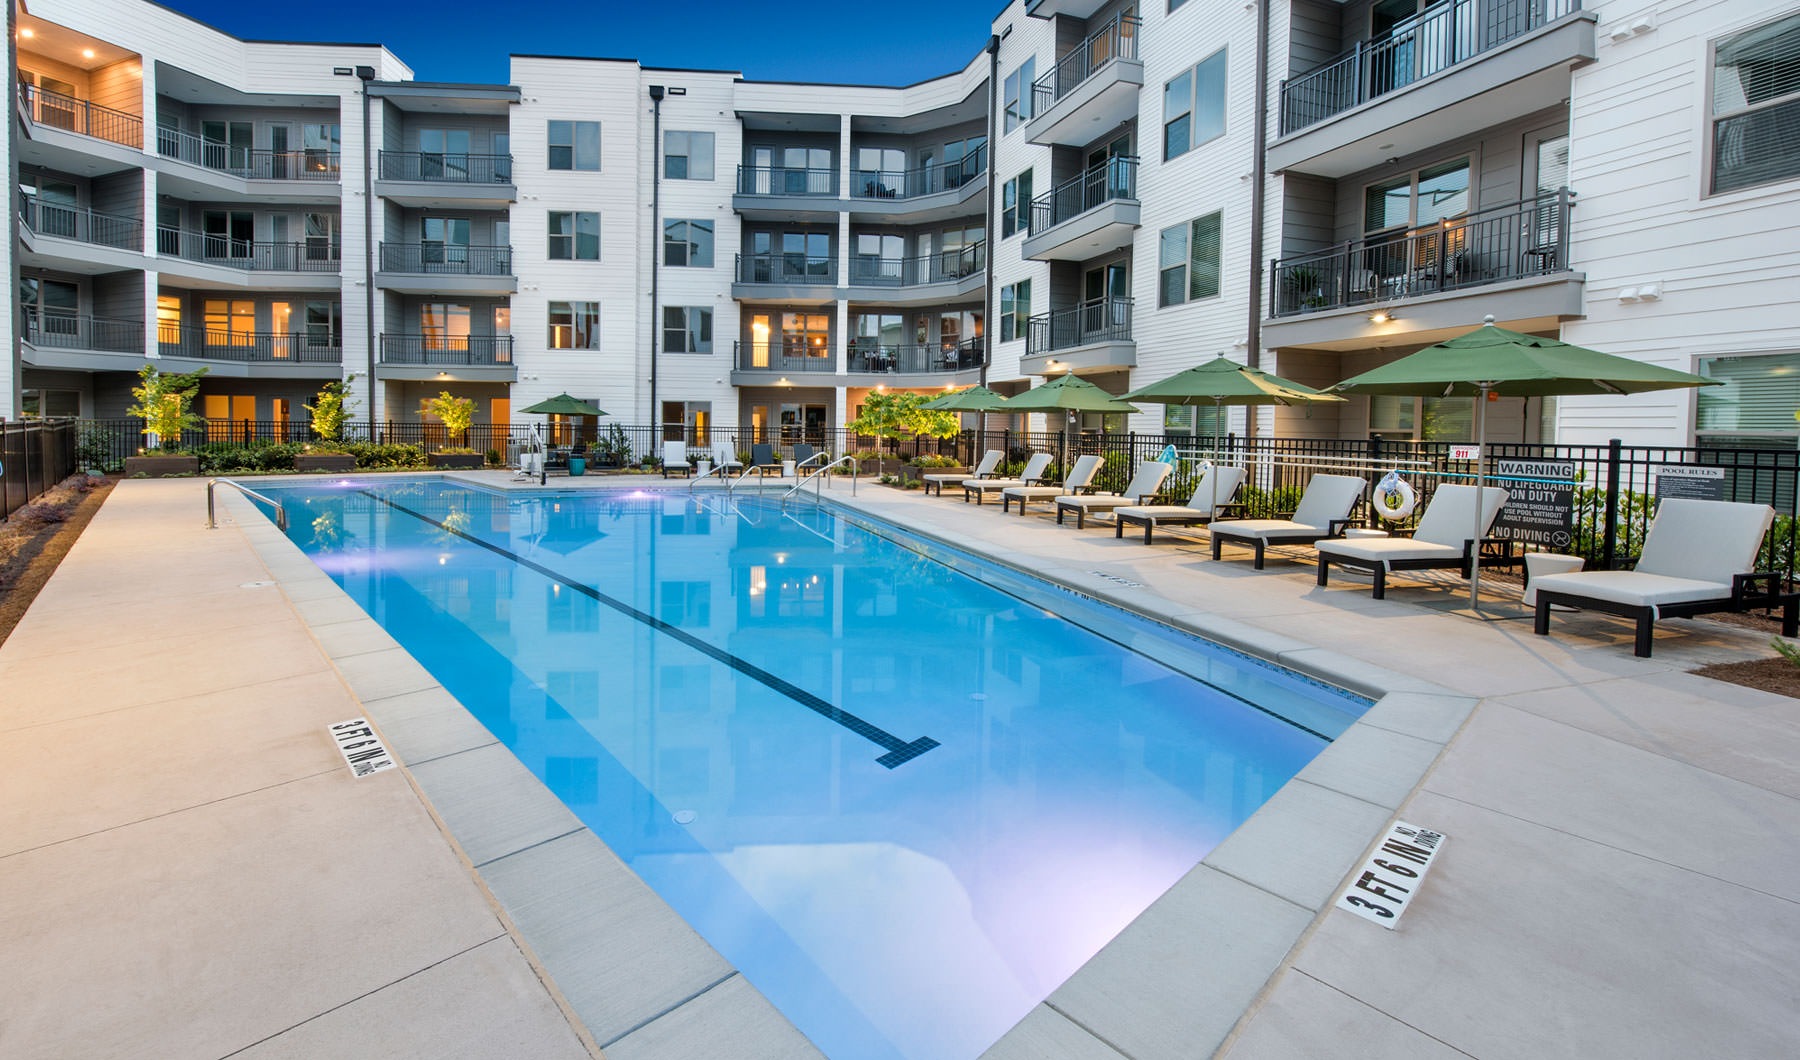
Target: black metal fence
34,455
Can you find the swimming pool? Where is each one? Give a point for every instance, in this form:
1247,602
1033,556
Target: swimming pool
905,803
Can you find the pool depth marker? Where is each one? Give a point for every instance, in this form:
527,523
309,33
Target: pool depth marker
899,752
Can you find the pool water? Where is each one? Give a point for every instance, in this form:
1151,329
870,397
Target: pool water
906,803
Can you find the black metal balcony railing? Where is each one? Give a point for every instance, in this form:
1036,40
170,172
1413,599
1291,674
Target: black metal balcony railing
57,111
446,168
784,357
799,269
446,259
1451,32
1115,178
1117,39
1526,238
461,350
311,255
783,180
942,267
1101,320
62,329
911,183
879,359
251,163
81,225
200,342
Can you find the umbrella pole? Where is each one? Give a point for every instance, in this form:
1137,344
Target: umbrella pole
1480,484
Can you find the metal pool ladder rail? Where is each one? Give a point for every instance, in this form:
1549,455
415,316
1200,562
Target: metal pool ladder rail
816,475
281,520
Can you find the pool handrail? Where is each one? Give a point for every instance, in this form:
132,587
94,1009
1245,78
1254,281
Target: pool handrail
281,519
822,472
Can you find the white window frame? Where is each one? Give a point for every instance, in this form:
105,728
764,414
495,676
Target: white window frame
1192,73
572,237
687,141
689,329
1709,176
1016,98
573,146
1013,322
579,312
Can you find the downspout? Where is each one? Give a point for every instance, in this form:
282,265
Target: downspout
656,98
14,349
988,228
366,74
1258,177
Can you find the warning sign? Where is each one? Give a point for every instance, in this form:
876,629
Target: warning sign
1540,502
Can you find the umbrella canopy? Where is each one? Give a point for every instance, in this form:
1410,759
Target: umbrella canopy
969,399
563,405
1223,381
1070,394
1493,360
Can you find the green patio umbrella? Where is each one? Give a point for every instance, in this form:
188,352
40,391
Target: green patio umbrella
1493,360
563,405
1070,393
1222,381
969,399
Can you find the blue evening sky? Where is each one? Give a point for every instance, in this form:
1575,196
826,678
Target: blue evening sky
797,40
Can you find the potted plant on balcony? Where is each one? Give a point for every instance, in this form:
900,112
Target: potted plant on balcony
163,400
457,414
330,411
1303,287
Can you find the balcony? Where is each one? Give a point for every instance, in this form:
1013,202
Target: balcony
448,268
251,354
108,242
1095,85
1087,215
921,280
867,358
480,358
765,360
61,339
1463,65
912,196
1091,335
797,278
428,179
53,110
217,260
1511,261
250,163
783,193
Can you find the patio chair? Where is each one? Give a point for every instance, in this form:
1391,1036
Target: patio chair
1441,540
1324,512
1698,559
806,458
1079,480
763,460
1151,474
725,460
1199,508
979,488
675,460
989,461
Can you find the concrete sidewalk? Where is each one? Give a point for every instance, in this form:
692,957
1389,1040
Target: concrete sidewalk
190,870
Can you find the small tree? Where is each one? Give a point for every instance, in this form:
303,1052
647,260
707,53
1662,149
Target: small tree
899,415
457,414
163,400
331,409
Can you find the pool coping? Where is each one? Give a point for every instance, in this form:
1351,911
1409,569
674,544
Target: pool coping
1174,983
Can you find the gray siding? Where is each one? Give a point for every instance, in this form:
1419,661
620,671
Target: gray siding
118,296
1308,213
1314,35
482,129
120,194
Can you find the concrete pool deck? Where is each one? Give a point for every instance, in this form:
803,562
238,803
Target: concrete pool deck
190,870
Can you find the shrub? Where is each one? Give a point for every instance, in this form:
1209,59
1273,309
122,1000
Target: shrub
163,399
934,461
331,409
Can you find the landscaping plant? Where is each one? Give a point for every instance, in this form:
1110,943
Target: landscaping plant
163,400
456,413
331,409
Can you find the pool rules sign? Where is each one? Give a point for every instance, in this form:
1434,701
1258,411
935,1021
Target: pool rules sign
1391,877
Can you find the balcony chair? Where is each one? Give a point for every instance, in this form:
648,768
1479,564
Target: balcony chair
989,461
1324,512
1441,540
1200,508
979,488
1698,559
1141,489
1080,479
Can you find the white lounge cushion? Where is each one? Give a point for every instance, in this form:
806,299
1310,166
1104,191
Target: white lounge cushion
1034,470
992,485
1383,549
1450,518
989,461
1632,587
1328,498
1078,478
1706,541
1272,529
1149,478
1094,502
1199,506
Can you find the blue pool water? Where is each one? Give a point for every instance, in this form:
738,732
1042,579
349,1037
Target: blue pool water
905,803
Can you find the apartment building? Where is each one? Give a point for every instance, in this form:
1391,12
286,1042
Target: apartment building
694,249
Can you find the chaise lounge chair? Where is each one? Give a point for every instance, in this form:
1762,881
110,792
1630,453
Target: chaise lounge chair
989,461
1079,479
1324,512
1198,509
675,459
1143,486
1031,476
1698,559
1440,541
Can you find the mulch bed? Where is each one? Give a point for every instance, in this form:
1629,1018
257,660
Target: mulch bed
36,539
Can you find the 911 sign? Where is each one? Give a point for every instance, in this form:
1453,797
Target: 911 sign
1380,890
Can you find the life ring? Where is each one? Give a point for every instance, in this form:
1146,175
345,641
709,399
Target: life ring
1394,498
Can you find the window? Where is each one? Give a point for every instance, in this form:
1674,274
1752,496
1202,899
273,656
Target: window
444,241
1175,5
687,329
1018,94
574,326
444,326
1015,310
1194,106
574,145
687,155
230,322
1756,106
1015,205
1189,259
324,325
320,143
574,236
321,237
688,244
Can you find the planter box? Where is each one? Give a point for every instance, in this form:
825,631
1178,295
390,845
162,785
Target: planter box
334,463
161,466
456,461
911,473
